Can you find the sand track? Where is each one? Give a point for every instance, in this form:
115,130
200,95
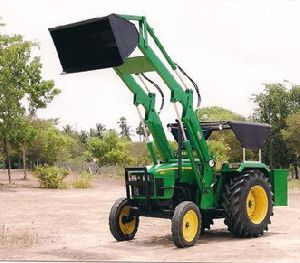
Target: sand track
71,224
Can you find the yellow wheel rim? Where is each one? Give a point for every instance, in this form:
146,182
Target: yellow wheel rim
126,228
257,204
190,225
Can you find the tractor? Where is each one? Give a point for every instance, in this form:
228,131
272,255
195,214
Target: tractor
186,185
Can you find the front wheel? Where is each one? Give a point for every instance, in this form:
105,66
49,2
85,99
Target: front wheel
186,224
123,226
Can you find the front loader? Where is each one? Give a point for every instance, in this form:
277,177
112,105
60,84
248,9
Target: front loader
186,186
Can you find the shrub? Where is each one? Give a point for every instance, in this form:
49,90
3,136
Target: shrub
51,176
82,180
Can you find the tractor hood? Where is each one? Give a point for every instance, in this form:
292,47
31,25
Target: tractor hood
95,43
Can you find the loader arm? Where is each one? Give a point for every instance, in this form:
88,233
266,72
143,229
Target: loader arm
151,118
108,42
204,176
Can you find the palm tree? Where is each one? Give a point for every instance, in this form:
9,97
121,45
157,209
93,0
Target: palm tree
83,136
140,131
100,129
68,129
126,131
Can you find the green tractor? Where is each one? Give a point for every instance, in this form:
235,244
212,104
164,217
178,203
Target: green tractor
185,186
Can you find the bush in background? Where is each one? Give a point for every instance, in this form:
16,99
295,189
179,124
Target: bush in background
51,176
82,180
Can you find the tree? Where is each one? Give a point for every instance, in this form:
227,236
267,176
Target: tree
83,137
215,113
292,136
273,106
141,132
223,144
68,129
126,131
1,161
110,150
220,151
100,129
20,80
24,140
50,145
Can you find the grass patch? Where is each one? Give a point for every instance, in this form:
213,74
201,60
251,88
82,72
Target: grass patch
294,184
82,180
21,238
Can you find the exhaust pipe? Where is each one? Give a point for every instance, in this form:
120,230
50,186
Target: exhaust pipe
95,43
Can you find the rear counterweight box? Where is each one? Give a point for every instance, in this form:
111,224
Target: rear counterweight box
279,186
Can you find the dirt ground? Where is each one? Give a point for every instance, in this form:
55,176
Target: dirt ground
72,224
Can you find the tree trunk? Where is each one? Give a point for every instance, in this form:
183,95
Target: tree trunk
296,171
24,164
8,160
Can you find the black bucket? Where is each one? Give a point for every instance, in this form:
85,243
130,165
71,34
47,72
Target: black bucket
95,43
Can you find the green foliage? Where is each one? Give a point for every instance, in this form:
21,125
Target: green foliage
222,139
51,176
68,129
83,137
219,150
20,77
20,81
292,132
111,150
82,180
50,145
99,131
25,135
215,113
291,135
139,153
273,106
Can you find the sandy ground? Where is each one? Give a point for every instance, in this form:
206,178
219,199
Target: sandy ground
72,224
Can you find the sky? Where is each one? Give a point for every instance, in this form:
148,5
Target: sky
230,48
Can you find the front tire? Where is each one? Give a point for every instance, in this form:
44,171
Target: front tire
121,226
247,203
186,224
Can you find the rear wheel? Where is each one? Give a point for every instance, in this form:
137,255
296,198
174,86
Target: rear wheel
186,224
123,226
247,203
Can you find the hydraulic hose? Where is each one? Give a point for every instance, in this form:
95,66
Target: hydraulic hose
194,84
159,90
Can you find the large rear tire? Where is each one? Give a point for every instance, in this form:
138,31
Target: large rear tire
186,224
248,205
121,226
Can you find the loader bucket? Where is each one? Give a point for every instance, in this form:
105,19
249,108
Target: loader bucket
95,43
